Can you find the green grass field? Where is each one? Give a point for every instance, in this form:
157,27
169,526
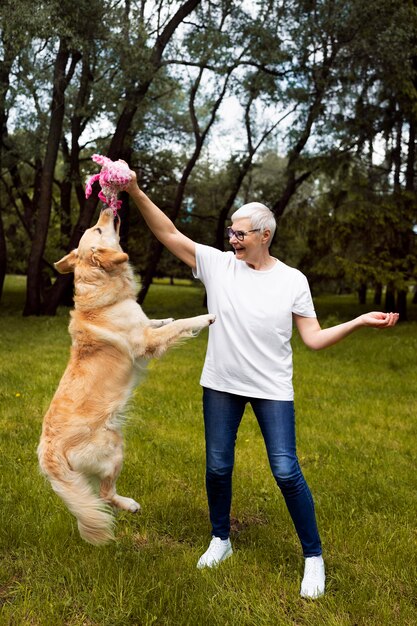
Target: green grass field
356,407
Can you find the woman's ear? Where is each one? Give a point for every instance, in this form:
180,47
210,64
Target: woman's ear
266,235
67,263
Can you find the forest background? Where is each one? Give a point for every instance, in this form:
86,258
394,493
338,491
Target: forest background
309,106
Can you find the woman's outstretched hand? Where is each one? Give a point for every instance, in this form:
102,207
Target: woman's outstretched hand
377,319
318,338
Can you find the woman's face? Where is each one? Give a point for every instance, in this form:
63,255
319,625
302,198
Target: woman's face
252,244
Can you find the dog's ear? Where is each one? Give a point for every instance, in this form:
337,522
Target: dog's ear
67,263
107,258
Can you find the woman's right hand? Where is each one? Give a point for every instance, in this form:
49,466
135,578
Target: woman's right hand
133,183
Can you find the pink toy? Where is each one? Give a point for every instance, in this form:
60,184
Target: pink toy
113,178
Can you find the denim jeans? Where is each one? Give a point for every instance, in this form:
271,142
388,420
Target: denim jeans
222,415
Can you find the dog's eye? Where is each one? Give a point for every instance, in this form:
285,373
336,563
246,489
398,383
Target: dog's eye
99,230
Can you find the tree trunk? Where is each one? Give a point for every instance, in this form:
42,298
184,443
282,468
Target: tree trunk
378,294
5,69
62,290
362,291
402,304
3,247
390,299
34,281
150,270
65,200
3,255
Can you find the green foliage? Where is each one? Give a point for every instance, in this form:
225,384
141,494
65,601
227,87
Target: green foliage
356,233
266,181
333,81
356,411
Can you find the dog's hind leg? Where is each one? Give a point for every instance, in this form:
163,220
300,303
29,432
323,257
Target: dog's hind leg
108,451
109,495
108,486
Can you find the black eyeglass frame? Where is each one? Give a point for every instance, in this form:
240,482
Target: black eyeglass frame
239,234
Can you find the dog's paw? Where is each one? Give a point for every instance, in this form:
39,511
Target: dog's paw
127,504
131,505
134,507
200,322
205,320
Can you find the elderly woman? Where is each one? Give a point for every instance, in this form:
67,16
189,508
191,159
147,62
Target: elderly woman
255,298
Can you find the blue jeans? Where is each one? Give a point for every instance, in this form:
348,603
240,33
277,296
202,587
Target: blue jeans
222,415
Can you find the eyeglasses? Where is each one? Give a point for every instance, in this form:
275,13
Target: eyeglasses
240,234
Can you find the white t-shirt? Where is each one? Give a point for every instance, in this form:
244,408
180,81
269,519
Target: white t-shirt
249,351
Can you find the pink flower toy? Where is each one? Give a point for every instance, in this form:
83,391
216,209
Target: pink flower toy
113,178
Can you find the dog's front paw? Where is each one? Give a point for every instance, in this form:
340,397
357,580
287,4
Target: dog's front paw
202,321
207,319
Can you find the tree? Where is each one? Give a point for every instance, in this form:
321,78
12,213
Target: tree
323,87
201,126
135,93
12,37
62,77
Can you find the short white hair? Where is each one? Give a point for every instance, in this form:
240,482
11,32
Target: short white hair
260,216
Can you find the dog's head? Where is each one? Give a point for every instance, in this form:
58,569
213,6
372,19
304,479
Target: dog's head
99,247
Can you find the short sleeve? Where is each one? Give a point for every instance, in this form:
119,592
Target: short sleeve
303,302
209,261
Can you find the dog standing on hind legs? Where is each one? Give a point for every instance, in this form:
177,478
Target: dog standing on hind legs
112,339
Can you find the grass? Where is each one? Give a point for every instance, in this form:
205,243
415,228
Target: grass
356,412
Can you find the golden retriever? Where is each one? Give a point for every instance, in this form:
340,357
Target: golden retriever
112,338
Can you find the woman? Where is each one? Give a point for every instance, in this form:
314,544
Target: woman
255,298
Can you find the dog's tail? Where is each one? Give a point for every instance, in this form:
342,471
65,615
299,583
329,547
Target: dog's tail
94,517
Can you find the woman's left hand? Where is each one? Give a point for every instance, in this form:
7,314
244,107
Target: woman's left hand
377,319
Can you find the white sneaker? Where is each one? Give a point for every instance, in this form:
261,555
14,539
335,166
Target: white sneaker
313,583
218,551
